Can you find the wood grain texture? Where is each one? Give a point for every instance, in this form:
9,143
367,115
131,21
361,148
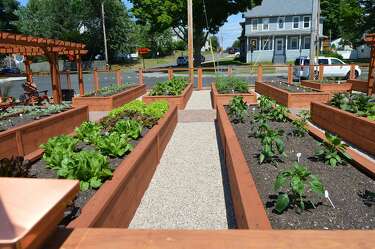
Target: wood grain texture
224,99
328,87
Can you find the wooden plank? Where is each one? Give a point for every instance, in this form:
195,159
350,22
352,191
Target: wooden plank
251,239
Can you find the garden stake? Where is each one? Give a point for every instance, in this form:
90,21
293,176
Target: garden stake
299,156
326,193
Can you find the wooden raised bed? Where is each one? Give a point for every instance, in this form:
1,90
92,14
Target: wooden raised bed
116,202
359,131
102,104
328,87
26,139
224,99
360,85
289,99
180,101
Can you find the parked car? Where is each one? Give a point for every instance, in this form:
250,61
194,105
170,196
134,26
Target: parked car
336,68
10,71
184,60
233,50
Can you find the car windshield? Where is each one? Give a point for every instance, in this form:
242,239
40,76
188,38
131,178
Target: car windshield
300,62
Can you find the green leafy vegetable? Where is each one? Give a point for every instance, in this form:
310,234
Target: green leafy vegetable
272,144
332,150
172,87
89,132
114,145
131,128
237,109
226,85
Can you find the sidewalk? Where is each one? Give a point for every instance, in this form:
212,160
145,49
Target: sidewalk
188,190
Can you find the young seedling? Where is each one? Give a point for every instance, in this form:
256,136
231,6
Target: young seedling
332,151
272,144
296,181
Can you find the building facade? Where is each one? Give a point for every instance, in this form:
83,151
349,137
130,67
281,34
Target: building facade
277,31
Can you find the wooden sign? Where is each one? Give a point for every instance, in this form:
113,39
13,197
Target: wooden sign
143,51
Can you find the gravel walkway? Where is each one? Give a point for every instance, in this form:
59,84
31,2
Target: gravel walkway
189,189
200,100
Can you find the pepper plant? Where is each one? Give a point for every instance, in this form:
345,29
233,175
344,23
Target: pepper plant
279,113
266,104
237,109
296,182
272,144
332,151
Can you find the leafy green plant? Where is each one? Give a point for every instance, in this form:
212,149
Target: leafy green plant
109,90
14,167
299,127
226,85
272,144
279,113
266,104
131,128
172,87
89,167
359,104
332,150
156,109
136,106
57,148
237,109
297,181
114,145
89,132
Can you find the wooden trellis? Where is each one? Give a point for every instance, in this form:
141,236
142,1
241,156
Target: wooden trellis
370,40
35,46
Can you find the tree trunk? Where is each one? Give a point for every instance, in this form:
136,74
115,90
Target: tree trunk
199,41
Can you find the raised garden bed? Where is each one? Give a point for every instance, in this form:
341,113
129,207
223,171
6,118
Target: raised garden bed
357,130
114,161
360,85
291,96
350,190
224,98
28,134
328,86
109,100
176,92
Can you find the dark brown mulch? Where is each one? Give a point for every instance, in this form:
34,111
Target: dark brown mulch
350,189
290,88
108,94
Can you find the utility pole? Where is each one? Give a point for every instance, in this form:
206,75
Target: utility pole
314,30
190,40
104,35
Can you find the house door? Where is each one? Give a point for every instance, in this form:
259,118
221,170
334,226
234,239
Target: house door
279,46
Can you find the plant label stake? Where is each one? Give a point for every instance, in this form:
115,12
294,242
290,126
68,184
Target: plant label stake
299,156
326,193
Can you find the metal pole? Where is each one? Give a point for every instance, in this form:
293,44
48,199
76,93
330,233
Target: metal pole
314,30
190,40
104,35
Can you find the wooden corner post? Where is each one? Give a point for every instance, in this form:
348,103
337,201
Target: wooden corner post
260,73
200,78
290,74
321,72
371,76
80,76
170,73
96,80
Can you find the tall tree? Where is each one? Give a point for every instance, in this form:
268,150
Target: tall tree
8,15
164,14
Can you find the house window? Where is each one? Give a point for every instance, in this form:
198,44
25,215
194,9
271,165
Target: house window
281,22
295,22
293,43
254,24
267,44
306,22
266,23
306,42
253,44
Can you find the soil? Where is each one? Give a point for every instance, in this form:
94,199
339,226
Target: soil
232,92
327,82
108,94
39,170
351,191
291,88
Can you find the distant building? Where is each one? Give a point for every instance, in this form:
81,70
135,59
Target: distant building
348,52
279,31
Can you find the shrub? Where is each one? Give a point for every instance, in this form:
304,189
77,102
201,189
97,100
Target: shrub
172,87
237,109
231,84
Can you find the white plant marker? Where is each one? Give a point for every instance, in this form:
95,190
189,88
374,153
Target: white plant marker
326,193
299,156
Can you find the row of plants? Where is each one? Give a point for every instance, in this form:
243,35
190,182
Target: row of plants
173,87
228,85
293,184
21,114
90,155
109,90
356,103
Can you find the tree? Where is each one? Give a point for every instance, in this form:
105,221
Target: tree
236,44
8,15
164,14
215,43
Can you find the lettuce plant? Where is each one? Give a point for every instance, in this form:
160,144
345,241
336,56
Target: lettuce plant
231,84
296,181
114,145
88,132
172,87
131,128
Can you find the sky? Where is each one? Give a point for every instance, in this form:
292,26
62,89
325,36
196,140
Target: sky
227,35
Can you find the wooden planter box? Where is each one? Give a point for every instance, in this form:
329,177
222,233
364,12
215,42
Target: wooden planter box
359,85
106,104
224,99
359,131
115,203
328,87
180,101
25,139
289,99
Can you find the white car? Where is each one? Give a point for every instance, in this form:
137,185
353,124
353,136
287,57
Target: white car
336,68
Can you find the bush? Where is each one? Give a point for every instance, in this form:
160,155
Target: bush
333,54
231,84
172,87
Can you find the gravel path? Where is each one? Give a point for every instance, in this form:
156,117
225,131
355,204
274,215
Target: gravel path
200,100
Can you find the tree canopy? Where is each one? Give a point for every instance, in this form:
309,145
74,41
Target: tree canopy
8,15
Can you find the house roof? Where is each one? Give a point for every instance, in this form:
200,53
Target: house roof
280,8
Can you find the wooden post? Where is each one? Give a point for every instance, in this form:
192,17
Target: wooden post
96,80
170,73
312,71
352,72
190,40
118,77
290,74
80,76
371,72
260,73
68,80
321,72
55,77
230,71
141,77
29,74
200,78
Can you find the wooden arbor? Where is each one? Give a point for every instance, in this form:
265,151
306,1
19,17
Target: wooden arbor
370,40
35,46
